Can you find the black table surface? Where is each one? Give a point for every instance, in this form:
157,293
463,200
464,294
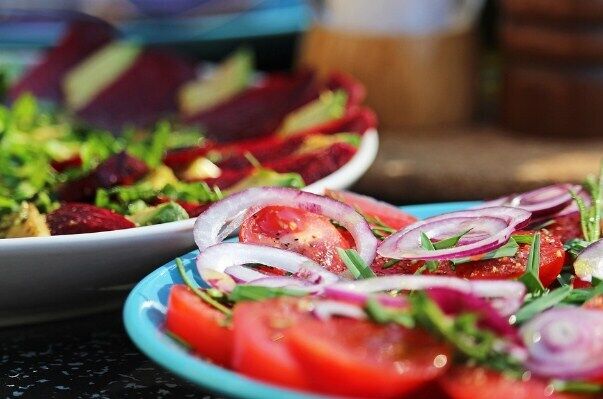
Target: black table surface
88,357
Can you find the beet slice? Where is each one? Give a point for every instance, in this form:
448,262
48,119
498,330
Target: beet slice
341,80
315,165
356,120
118,170
44,79
258,111
143,94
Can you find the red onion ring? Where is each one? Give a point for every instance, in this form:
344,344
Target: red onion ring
589,262
565,342
243,274
221,257
541,201
490,229
325,309
504,295
209,226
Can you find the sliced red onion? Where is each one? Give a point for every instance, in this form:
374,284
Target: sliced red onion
541,201
209,227
346,295
243,274
284,282
489,228
565,342
504,295
325,309
221,257
589,262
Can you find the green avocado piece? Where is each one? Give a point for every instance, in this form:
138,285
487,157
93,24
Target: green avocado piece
329,106
230,78
97,72
164,213
262,177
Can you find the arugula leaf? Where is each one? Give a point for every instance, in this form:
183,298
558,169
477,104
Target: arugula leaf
541,303
447,242
509,249
258,293
577,386
198,291
530,277
390,263
575,246
523,238
431,265
382,315
355,263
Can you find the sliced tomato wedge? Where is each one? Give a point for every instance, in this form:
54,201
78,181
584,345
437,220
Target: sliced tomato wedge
353,358
199,325
552,258
566,227
297,230
261,330
477,382
388,214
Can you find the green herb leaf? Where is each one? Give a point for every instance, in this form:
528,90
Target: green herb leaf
577,386
258,293
523,238
390,263
530,277
355,264
509,249
198,291
430,265
575,246
541,303
382,315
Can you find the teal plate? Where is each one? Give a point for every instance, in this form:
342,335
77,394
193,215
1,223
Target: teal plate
144,315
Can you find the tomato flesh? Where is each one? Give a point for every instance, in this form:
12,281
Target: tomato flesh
566,227
199,325
260,335
353,358
552,258
477,382
388,214
306,233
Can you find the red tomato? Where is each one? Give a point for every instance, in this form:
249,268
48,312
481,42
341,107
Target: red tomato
566,227
552,258
300,231
476,382
388,214
353,358
200,325
260,335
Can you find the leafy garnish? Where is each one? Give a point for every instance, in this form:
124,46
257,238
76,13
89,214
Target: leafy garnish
355,263
523,238
200,292
577,386
575,246
530,278
509,249
383,315
590,216
541,303
426,243
258,293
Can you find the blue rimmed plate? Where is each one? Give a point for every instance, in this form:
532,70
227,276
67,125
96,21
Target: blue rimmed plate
144,315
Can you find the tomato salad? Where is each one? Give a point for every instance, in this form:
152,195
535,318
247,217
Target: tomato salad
348,296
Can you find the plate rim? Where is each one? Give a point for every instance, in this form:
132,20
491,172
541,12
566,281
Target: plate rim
359,163
201,373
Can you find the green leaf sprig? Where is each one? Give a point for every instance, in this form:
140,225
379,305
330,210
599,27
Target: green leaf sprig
355,264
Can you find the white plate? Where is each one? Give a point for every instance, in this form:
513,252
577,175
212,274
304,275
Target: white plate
46,278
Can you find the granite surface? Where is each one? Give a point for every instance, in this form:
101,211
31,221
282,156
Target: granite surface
89,357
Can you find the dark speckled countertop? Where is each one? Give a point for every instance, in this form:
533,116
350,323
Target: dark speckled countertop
90,357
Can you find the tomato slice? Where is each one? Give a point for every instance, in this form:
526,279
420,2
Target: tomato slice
388,214
297,230
566,227
261,330
552,258
200,325
355,358
477,382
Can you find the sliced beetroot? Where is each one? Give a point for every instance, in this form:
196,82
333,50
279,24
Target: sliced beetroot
264,150
143,94
73,162
258,111
356,120
341,80
44,79
315,165
118,170
179,158
229,178
75,218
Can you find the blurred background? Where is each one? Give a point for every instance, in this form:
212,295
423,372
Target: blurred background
475,98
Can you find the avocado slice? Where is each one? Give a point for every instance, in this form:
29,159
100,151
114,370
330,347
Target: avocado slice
201,168
329,106
231,77
160,177
164,213
317,142
262,177
97,72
